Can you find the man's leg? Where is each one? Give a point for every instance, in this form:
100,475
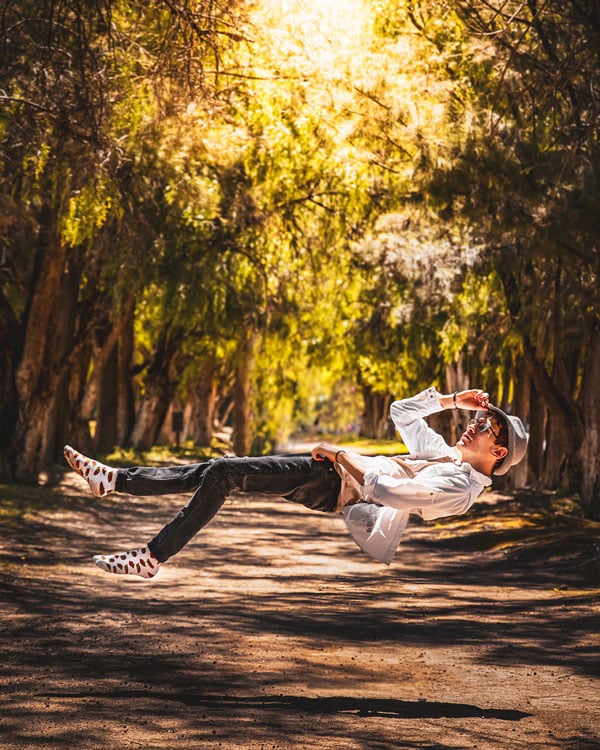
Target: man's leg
300,479
161,480
139,480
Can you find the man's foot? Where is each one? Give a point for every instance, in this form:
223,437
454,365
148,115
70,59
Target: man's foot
137,562
102,479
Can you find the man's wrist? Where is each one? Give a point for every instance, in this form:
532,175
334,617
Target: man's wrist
449,400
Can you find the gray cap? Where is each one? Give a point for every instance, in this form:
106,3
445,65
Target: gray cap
517,439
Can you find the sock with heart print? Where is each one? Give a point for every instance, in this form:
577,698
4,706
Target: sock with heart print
102,479
137,562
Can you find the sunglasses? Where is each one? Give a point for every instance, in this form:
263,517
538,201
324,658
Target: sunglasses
483,424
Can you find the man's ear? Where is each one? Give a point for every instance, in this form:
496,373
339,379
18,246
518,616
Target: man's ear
499,451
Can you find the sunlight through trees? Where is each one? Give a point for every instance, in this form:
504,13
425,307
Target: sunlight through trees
279,215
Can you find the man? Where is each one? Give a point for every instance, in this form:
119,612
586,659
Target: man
374,494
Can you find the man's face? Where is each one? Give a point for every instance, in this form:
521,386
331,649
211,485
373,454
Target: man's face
479,438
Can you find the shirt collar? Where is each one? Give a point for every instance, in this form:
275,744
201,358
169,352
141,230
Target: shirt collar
474,475
479,476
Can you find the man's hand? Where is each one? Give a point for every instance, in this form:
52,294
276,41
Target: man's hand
473,399
352,462
324,450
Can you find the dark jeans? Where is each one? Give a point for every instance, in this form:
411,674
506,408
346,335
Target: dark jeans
299,479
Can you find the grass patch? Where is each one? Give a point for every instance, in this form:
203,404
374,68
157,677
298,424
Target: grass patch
19,500
190,453
165,455
367,446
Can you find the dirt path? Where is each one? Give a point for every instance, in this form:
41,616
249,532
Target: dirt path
274,631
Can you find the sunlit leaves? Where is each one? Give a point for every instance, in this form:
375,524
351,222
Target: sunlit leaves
87,212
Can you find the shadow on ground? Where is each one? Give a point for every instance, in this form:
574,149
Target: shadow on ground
273,630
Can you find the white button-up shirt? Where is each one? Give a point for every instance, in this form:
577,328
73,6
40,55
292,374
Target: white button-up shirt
431,481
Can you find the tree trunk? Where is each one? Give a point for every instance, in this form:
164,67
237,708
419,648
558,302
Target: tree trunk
536,452
561,443
160,385
105,437
557,459
79,433
10,335
242,396
203,395
223,419
564,426
375,420
150,416
519,475
589,457
61,345
36,378
106,337
456,380
126,402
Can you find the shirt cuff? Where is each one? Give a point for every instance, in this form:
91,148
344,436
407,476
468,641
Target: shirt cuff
431,397
422,405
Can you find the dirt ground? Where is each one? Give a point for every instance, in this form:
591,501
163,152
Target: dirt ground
272,630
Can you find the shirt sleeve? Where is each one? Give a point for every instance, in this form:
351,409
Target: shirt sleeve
408,418
446,492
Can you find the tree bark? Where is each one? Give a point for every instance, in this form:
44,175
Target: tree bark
589,457
105,437
10,344
375,422
564,428
36,377
126,401
160,385
203,395
519,475
536,452
456,380
61,345
242,395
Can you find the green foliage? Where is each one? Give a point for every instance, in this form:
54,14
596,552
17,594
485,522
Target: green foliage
411,274
376,190
479,329
87,212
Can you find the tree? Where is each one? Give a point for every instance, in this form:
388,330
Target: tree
77,82
526,175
